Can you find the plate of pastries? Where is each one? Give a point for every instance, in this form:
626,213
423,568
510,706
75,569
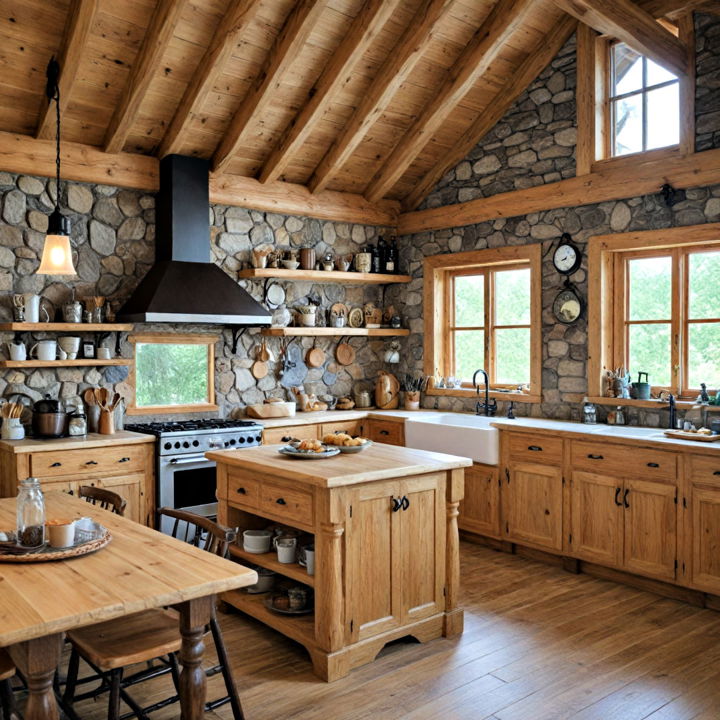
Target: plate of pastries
346,443
308,450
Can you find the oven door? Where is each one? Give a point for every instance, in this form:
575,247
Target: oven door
187,482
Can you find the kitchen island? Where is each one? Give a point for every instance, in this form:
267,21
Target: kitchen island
386,544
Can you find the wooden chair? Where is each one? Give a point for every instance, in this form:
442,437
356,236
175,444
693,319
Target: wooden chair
106,499
149,636
7,699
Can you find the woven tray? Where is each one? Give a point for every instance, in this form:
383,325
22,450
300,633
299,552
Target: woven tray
48,554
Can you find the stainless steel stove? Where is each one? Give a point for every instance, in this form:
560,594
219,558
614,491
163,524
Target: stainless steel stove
186,479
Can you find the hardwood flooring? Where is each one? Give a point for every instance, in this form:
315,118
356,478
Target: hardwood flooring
539,644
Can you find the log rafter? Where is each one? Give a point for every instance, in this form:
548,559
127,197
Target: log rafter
481,51
232,27
288,44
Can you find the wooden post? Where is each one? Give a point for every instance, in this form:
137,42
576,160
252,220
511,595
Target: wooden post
330,602
38,660
194,616
453,614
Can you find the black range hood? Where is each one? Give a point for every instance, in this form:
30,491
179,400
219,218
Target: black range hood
183,285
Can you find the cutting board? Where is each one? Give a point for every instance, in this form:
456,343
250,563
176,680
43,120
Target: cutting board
681,435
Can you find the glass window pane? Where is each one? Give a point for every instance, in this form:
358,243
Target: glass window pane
657,74
649,352
470,300
171,374
650,288
627,129
469,353
512,297
704,282
512,356
704,355
627,69
663,117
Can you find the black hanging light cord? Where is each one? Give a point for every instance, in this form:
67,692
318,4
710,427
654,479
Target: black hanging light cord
58,224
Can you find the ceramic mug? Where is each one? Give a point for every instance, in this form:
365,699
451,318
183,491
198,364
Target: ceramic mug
286,549
46,350
257,541
17,351
306,558
62,534
69,344
103,353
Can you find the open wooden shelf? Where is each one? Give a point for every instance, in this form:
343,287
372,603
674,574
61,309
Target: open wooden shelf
300,628
81,362
330,331
269,560
320,276
653,403
66,327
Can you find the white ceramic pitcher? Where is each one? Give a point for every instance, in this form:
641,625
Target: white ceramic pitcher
31,303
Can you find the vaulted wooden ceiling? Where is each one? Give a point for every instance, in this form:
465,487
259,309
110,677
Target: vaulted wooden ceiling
370,97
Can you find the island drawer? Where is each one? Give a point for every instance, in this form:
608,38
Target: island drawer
386,431
535,448
624,461
290,504
705,469
121,460
273,436
351,427
242,490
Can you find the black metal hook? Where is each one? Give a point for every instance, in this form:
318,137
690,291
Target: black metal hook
237,333
668,193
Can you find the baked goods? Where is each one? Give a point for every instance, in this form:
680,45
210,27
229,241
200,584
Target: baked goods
310,446
343,439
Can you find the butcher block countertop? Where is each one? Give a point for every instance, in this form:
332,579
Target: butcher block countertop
91,440
378,462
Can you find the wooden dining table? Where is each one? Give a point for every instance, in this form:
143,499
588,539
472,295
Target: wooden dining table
139,569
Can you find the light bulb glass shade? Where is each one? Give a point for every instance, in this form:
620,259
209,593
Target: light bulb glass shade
57,256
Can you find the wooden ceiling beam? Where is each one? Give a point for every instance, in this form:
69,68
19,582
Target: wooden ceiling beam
399,64
481,51
289,42
157,38
625,20
675,8
232,27
364,30
530,68
81,14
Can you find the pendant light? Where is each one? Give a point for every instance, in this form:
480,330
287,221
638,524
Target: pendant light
57,254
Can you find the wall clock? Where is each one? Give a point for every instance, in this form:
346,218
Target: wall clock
568,305
567,257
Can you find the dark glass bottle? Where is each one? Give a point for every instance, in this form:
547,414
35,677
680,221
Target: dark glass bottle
376,262
383,251
391,262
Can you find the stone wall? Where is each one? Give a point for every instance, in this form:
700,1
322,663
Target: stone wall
565,347
113,231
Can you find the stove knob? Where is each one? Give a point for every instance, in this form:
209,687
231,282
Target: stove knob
167,446
196,443
240,440
233,441
258,438
177,444
227,443
186,444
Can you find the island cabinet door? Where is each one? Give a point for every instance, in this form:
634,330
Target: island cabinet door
373,571
596,518
480,507
650,528
422,546
532,505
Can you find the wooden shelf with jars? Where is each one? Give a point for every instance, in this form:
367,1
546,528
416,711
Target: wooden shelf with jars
65,327
269,561
322,276
80,362
332,331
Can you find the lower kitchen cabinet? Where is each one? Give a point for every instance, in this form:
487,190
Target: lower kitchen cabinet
701,507
131,489
390,432
480,508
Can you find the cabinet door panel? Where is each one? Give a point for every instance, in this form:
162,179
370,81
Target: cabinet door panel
422,539
386,431
129,487
373,559
596,518
533,511
650,528
705,533
480,508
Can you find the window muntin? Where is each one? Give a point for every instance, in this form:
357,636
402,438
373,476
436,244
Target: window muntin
644,101
703,319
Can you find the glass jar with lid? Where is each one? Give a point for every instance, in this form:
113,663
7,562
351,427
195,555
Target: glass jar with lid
30,514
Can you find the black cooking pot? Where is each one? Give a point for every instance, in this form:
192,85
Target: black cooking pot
49,419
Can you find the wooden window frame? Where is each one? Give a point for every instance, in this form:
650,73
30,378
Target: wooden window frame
607,297
439,273
175,339
594,70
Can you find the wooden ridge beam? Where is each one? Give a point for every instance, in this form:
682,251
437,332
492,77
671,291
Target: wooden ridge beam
530,68
400,63
26,155
675,8
81,14
476,58
364,30
626,21
231,28
616,180
157,38
287,45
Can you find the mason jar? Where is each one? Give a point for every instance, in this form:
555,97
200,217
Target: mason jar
30,514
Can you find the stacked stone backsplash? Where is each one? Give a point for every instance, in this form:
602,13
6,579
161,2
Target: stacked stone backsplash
495,165
113,231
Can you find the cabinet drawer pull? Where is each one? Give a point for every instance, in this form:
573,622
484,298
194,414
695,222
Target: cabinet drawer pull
91,462
625,497
56,464
281,501
125,459
396,504
241,491
405,502
384,432
653,465
595,457
617,497
535,448
286,438
717,472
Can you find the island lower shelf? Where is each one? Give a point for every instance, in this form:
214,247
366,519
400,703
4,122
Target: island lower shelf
269,560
